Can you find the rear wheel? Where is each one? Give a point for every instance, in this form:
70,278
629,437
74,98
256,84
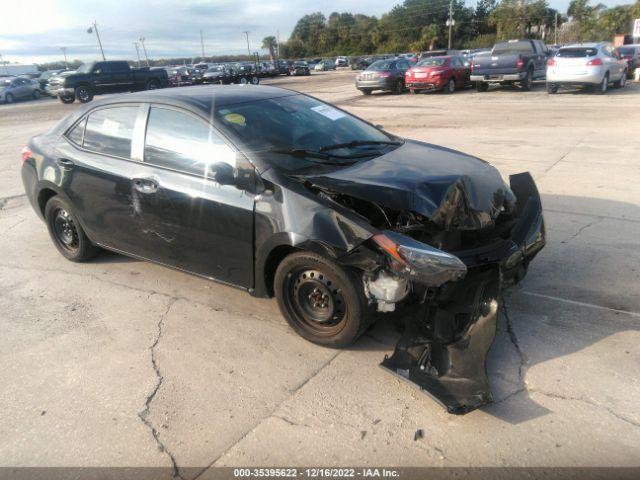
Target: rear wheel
8,98
527,81
552,89
153,85
366,91
67,100
255,80
398,88
84,94
602,87
482,86
320,300
66,232
451,86
37,94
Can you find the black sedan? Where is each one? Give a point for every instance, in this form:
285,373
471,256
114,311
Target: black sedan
283,195
218,74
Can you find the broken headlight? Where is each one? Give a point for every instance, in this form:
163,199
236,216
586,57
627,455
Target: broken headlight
427,264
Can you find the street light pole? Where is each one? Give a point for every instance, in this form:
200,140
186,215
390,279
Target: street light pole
64,52
137,52
202,45
450,23
555,31
144,49
246,32
90,30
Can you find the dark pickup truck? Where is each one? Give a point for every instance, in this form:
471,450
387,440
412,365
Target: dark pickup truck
511,62
106,77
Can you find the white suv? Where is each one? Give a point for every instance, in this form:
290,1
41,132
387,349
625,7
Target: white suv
592,65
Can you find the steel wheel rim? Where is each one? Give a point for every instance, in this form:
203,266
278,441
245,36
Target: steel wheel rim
65,230
315,300
83,94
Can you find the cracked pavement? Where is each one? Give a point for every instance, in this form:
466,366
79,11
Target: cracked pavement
119,362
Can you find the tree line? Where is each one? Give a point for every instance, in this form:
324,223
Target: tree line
418,25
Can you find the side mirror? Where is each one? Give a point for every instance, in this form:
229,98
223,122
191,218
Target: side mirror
222,173
97,72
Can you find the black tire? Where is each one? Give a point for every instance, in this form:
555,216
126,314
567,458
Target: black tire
552,89
153,85
8,98
482,86
366,91
84,94
320,300
66,233
622,82
255,80
67,100
398,87
37,94
450,87
527,82
603,86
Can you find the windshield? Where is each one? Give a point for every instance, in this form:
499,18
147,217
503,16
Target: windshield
4,83
215,69
301,123
576,52
85,68
300,64
432,62
381,65
512,47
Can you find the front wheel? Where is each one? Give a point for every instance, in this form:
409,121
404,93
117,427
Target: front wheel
255,80
622,82
67,100
320,300
366,91
8,98
152,85
65,231
451,86
398,88
84,94
37,94
482,86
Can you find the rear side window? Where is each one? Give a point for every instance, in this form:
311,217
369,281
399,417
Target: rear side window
512,47
577,52
183,142
110,131
77,133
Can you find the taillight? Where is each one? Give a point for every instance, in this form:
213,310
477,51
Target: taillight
551,62
594,63
519,63
471,67
26,154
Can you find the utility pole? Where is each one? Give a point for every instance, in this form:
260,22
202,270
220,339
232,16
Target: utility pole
450,23
64,52
144,49
90,30
278,46
137,52
555,30
202,45
246,32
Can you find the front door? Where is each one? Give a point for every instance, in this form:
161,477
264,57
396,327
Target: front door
193,213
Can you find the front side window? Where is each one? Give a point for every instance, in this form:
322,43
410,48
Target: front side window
183,142
110,131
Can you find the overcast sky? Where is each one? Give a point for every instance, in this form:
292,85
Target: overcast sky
34,30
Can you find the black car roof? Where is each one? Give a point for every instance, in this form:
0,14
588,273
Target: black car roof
201,97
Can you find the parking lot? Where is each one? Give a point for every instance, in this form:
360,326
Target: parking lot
122,362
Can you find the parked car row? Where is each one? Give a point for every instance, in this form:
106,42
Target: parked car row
513,62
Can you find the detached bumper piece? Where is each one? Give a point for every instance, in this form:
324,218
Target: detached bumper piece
446,340
443,352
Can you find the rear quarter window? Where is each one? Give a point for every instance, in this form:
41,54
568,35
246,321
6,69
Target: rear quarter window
76,134
110,131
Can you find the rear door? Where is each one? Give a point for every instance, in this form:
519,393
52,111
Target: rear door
193,214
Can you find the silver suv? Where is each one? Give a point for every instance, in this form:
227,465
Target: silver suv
592,65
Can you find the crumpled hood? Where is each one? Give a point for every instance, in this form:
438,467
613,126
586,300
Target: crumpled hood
452,189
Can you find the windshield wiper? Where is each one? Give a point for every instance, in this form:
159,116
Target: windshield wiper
311,155
358,143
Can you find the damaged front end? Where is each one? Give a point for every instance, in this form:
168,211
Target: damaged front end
451,298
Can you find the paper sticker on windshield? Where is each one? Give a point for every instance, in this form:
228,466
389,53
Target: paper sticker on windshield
329,112
236,119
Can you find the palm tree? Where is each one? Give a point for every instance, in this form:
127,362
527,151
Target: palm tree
270,43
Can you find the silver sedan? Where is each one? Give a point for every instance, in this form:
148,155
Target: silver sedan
15,88
594,65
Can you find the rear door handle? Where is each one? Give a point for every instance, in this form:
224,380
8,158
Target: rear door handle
145,185
65,164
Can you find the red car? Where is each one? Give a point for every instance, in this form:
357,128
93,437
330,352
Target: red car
445,73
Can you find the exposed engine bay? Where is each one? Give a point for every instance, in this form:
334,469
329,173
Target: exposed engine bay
445,278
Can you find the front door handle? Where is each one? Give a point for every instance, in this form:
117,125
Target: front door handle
145,185
65,163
